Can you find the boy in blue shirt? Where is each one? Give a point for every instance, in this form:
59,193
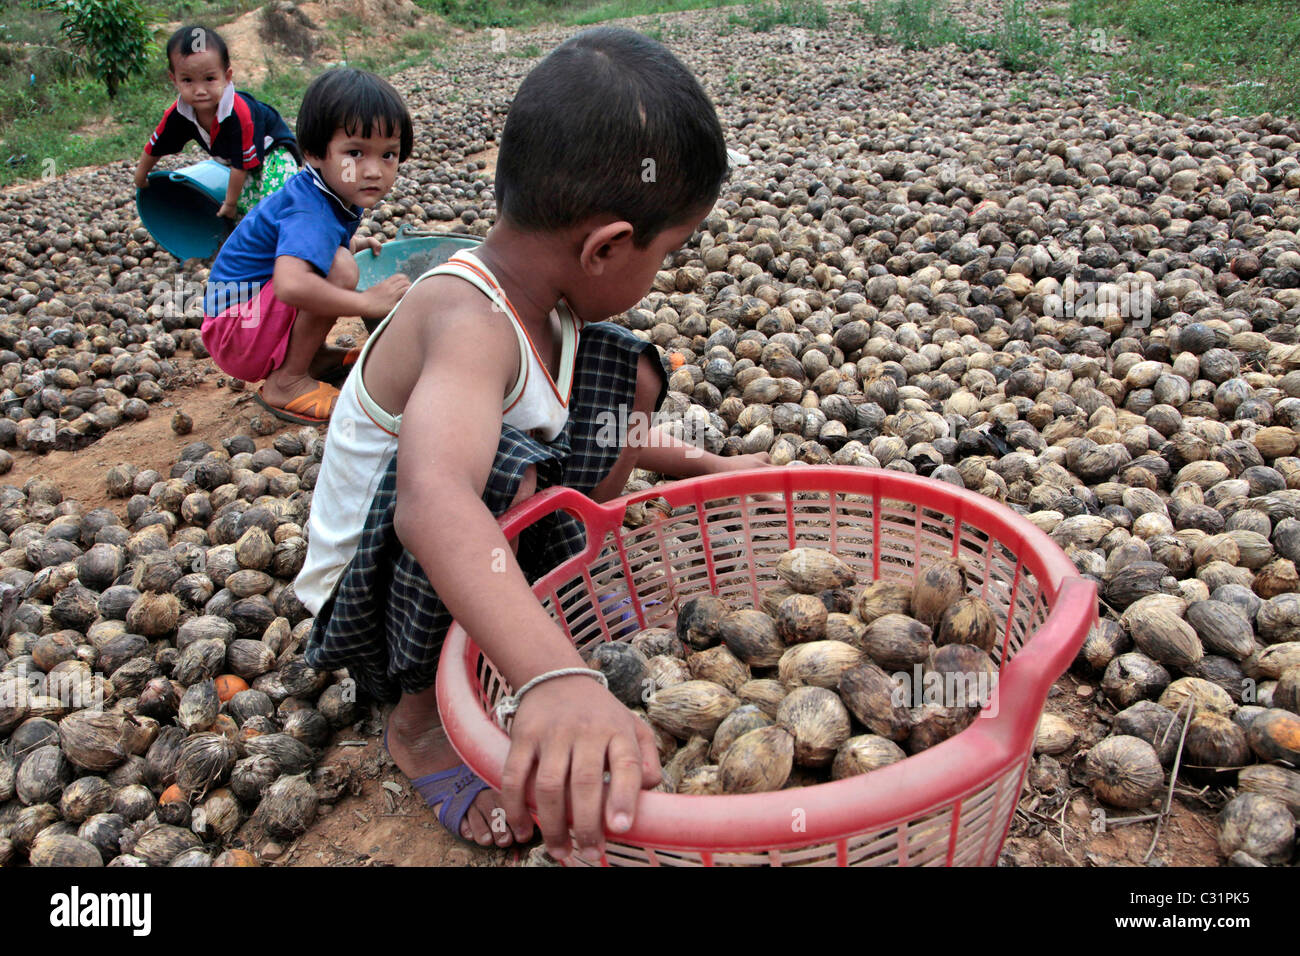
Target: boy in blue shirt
287,272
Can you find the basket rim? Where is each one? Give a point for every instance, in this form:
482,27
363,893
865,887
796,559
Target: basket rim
836,810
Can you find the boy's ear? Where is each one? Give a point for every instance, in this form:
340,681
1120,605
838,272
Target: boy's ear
230,74
603,243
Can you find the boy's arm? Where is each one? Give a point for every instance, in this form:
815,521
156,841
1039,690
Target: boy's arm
567,730
233,188
299,285
142,169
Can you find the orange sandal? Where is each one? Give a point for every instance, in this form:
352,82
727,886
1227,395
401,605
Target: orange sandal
312,408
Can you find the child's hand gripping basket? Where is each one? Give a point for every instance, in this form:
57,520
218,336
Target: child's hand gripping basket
949,805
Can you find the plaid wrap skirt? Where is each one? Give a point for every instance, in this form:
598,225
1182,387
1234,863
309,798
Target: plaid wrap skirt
384,622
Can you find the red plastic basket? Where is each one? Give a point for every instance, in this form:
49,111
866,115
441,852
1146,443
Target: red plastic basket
949,805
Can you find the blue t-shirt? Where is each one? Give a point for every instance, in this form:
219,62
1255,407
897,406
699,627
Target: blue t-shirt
305,219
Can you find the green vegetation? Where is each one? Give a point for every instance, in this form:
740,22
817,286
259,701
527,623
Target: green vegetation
1193,56
925,24
766,14
108,37
478,14
1186,56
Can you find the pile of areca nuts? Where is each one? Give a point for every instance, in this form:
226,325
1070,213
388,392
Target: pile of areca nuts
823,681
153,695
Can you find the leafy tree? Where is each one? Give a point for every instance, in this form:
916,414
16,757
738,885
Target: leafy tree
110,36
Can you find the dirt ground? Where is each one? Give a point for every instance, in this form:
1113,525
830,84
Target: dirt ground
328,27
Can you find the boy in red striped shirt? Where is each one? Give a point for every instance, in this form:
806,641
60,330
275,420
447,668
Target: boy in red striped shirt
235,129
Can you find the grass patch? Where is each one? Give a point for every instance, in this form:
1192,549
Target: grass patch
1193,56
478,14
763,16
926,24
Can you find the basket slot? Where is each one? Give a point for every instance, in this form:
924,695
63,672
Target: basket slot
1006,794
812,514
878,848
976,821
898,540
855,535
973,550
936,540
926,839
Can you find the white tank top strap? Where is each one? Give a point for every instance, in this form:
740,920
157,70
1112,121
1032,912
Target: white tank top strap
547,400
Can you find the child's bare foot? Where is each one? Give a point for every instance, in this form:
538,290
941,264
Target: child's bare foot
419,746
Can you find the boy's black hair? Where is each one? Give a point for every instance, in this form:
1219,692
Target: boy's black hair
610,122
355,101
196,39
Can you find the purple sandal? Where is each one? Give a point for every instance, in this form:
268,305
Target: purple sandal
455,789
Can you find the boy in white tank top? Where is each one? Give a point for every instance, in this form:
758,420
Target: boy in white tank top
488,382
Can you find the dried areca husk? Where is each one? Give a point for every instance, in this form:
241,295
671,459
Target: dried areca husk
154,615
801,618
664,671
1154,724
217,817
104,831
971,621
933,723
200,661
656,641
199,706
720,666
876,700
699,621
291,754
752,636
1275,735
1124,771
758,761
883,597
160,844
703,781
204,759
63,850
812,570
1158,629
1273,781
765,694
817,720
1055,735
252,775
1104,643
939,586
864,754
42,776
1258,825
770,600
689,756
93,740
1222,629
740,721
624,668
1198,694
692,708
818,663
1213,740
845,627
1270,663
897,642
